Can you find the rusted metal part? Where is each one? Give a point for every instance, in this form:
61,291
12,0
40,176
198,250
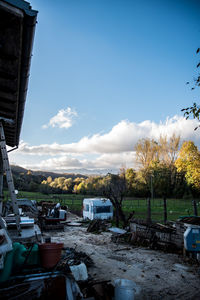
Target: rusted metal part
194,220
156,235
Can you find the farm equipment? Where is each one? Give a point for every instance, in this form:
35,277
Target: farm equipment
26,206
52,216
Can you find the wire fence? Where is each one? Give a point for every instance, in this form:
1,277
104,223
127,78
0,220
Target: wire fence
175,207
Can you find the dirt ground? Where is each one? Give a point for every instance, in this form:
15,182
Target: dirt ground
158,275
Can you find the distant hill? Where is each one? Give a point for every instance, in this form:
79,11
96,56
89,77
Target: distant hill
55,175
17,170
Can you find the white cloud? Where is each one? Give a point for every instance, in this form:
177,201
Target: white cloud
102,152
121,138
106,161
126,159
63,119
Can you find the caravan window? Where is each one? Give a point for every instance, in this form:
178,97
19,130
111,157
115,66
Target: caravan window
103,209
86,207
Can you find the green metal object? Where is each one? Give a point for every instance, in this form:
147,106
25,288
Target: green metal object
19,258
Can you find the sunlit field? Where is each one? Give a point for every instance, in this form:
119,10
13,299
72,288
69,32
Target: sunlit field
175,207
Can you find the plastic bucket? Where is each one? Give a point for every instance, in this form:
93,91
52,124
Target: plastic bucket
124,289
50,254
79,272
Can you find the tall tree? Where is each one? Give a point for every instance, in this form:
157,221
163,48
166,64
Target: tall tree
165,150
68,185
114,187
168,149
146,151
160,179
49,179
188,161
157,164
130,176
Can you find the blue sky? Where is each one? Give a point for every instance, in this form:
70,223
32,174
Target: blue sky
103,75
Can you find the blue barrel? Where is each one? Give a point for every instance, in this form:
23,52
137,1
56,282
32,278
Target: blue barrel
192,238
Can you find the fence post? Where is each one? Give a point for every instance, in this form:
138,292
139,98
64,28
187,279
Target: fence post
149,210
195,207
165,209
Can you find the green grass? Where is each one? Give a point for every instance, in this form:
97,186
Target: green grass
175,207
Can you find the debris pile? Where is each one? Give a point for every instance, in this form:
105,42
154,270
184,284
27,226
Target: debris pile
24,268
156,236
98,225
52,216
119,235
73,257
194,220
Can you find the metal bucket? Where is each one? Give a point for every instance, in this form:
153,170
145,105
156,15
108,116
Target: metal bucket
124,289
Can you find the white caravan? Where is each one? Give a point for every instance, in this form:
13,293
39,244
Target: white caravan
97,208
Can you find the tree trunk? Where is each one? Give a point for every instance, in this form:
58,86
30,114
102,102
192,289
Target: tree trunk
117,215
122,216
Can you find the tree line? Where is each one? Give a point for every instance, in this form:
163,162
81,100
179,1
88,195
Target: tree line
163,170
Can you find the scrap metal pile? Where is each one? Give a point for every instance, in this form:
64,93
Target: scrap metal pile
169,237
52,216
156,236
35,269
33,266
47,270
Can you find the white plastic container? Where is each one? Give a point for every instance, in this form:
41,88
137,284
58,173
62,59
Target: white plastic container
124,289
79,272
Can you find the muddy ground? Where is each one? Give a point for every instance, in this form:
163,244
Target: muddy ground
158,275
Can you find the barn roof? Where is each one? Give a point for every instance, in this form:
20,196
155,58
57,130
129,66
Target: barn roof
17,26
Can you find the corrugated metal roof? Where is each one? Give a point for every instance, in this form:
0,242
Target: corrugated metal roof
17,26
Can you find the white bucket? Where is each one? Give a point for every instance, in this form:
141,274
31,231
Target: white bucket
79,272
124,289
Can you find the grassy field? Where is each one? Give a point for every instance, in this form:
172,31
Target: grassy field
175,207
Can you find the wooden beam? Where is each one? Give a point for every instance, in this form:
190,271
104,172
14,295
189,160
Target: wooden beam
9,97
8,75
